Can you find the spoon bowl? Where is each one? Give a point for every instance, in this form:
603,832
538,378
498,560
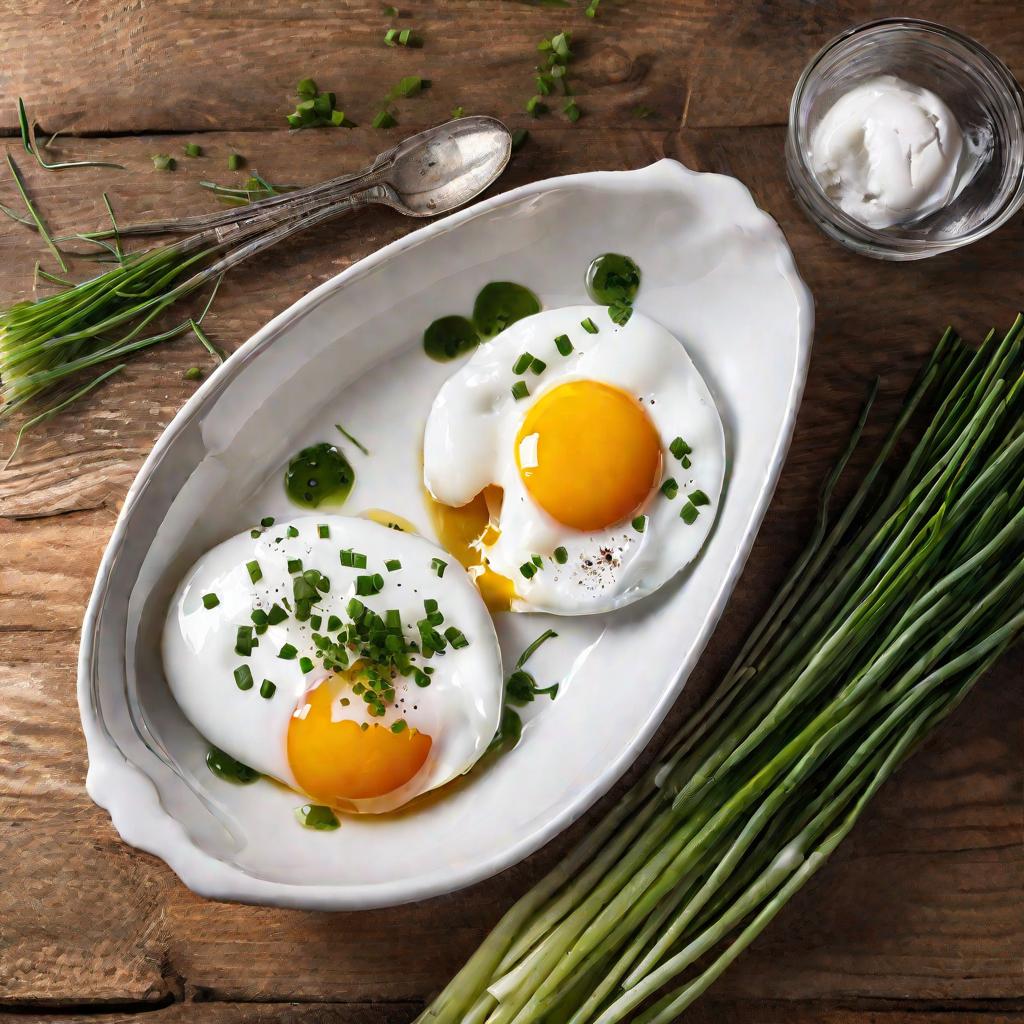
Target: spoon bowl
440,169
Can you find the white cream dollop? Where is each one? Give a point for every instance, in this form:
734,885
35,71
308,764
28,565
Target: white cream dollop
887,152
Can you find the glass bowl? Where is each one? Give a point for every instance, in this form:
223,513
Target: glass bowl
978,88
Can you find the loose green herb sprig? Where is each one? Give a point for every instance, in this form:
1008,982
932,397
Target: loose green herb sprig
316,109
28,140
883,626
520,689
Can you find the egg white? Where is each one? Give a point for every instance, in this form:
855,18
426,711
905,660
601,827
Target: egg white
460,709
470,439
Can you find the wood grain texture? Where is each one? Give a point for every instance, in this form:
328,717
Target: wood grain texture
918,920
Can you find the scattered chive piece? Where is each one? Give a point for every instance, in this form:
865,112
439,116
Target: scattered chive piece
255,572
266,522
537,561
390,12
620,312
254,533
323,531
457,112
699,498
292,531
528,569
548,634
210,600
193,373
333,624
685,462
307,89
399,726
640,524
519,136
369,585
588,325
591,11
384,119
535,106
670,488
392,565
258,616
315,621
243,677
317,817
429,605
520,390
438,565
355,609
191,149
163,162
287,652
563,344
571,111
306,665
267,689
688,513
348,436
538,366
276,615
522,363
561,555
679,448
456,638
235,161
294,565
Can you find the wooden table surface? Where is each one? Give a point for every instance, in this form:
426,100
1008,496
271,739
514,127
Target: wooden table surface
918,920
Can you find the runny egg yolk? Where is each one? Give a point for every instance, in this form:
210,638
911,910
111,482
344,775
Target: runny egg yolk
337,761
465,532
588,454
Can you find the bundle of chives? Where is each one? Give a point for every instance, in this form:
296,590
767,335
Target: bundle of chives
882,627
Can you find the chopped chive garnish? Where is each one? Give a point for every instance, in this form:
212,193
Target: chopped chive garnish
591,11
316,621
287,652
317,817
548,634
305,665
457,112
243,677
519,136
589,326
244,642
679,448
276,614
571,111
163,162
193,373
235,161
438,565
355,609
620,312
563,344
399,726
522,363
254,533
210,600
384,119
688,513
255,572
267,689
191,149
535,106
266,522
368,585
528,569
685,462
456,638
538,366
392,565
294,565
292,531
333,624
323,531
358,560
258,616
640,524
429,605
537,561
520,390
670,488
561,555
362,447
699,498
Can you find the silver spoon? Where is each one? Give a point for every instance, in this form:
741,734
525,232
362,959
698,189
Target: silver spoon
430,173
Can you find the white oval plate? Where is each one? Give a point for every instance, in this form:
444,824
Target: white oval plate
716,271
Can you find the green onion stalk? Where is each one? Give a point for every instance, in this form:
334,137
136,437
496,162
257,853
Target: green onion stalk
884,624
105,318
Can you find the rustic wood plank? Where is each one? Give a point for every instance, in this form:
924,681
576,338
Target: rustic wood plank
708,1012
199,66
